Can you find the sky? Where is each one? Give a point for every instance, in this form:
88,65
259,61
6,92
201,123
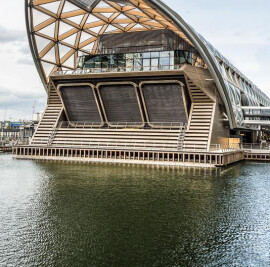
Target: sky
240,30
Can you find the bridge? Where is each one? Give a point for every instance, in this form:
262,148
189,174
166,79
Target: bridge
260,115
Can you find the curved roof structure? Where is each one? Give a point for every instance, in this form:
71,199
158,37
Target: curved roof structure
60,31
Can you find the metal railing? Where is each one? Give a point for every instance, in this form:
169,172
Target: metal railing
167,143
264,146
120,125
214,147
135,145
116,69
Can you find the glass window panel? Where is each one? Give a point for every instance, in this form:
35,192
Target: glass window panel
137,62
189,57
129,56
129,64
146,55
121,62
112,61
182,57
146,64
154,64
154,54
165,63
104,62
165,54
97,64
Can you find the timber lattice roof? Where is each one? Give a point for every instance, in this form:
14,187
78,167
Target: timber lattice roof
64,29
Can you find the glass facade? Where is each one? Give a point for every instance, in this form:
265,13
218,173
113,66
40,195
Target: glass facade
157,60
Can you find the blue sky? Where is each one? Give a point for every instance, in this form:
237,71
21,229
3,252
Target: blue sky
240,30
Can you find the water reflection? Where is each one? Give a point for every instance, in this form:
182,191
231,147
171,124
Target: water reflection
66,214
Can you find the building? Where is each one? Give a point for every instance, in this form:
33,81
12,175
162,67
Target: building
17,132
132,75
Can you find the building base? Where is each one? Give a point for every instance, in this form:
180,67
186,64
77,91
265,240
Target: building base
169,158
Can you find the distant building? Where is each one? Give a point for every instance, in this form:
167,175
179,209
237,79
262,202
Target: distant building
17,132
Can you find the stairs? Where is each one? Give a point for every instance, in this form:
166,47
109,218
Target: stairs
49,119
145,139
181,138
198,135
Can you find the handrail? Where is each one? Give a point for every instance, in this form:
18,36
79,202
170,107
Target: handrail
166,144
119,125
116,69
263,146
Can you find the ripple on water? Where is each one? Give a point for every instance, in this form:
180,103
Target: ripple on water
74,214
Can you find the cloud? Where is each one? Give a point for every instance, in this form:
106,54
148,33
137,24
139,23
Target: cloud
11,36
19,103
8,92
25,49
26,60
25,54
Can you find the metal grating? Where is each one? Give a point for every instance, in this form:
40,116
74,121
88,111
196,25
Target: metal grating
120,103
80,104
85,4
164,102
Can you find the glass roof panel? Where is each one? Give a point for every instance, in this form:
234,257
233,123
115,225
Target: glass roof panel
102,4
76,19
96,29
50,56
71,39
85,36
39,17
68,7
63,28
91,19
41,42
63,50
53,7
47,67
107,15
49,30
111,28
70,62
89,47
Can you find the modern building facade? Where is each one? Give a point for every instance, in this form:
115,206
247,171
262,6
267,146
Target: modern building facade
132,74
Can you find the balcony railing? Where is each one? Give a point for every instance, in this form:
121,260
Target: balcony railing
120,125
118,69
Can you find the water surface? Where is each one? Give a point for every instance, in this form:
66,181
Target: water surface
77,214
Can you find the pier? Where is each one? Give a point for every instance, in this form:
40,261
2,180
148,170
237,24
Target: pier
5,149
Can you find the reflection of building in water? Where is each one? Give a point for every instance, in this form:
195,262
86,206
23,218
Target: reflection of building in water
132,75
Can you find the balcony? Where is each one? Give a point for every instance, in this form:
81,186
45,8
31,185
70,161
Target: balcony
134,62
